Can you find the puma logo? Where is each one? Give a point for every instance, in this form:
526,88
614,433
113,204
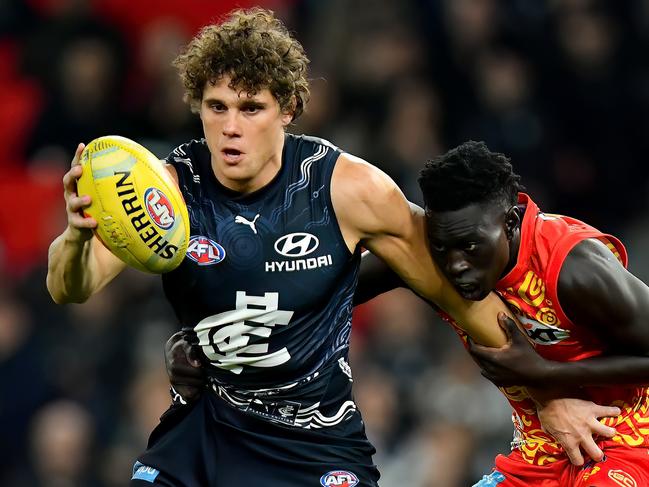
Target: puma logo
251,224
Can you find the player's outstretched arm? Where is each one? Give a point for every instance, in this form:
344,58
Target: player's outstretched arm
78,264
372,210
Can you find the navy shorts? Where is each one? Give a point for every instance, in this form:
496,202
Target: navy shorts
210,443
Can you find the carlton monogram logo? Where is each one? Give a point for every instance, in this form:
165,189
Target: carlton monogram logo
296,244
532,291
240,338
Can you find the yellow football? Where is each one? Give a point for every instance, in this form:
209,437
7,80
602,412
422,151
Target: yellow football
141,214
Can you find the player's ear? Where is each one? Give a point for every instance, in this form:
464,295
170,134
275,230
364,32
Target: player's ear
512,221
289,112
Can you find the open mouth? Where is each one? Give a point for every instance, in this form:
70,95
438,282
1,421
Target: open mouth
468,290
232,155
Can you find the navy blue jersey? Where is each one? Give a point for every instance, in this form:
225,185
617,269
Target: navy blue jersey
267,282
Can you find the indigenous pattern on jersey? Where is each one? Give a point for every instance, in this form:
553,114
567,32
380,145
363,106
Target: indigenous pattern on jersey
268,281
530,288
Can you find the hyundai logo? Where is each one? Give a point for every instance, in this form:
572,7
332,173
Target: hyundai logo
296,244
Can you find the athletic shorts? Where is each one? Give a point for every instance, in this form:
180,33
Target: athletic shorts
621,467
212,443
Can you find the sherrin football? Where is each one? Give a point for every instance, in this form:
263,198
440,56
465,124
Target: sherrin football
140,212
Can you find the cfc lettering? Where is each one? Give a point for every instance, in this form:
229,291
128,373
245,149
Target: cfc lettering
147,233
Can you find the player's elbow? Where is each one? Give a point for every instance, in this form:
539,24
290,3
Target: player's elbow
60,298
58,294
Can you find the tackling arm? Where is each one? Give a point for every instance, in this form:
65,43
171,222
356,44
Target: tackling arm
373,211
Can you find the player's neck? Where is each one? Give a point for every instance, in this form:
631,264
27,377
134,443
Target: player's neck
265,176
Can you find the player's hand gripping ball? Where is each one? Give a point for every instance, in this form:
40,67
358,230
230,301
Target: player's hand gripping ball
140,212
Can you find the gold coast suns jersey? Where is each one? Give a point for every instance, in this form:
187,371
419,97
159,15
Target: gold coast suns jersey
530,289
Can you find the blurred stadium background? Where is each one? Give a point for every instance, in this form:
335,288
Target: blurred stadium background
562,86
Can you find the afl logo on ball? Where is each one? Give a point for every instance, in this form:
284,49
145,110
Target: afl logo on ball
339,478
204,251
159,208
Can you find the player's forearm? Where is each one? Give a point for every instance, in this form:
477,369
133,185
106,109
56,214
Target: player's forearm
599,371
69,279
479,319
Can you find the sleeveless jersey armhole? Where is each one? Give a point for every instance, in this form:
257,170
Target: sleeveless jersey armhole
339,234
561,250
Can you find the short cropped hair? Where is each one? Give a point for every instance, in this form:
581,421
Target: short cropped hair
467,174
256,50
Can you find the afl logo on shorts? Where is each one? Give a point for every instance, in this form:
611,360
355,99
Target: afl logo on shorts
339,478
159,208
204,251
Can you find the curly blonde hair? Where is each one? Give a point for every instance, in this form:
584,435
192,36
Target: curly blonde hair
256,50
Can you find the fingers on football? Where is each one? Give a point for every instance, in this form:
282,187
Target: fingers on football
70,179
77,203
78,221
77,155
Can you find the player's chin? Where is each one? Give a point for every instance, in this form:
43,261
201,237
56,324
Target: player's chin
473,293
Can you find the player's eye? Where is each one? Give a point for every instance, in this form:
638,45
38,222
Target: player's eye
217,107
470,247
438,248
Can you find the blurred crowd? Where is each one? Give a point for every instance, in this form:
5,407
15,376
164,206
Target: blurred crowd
561,86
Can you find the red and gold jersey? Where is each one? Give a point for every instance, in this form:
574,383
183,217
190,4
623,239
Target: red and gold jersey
530,289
